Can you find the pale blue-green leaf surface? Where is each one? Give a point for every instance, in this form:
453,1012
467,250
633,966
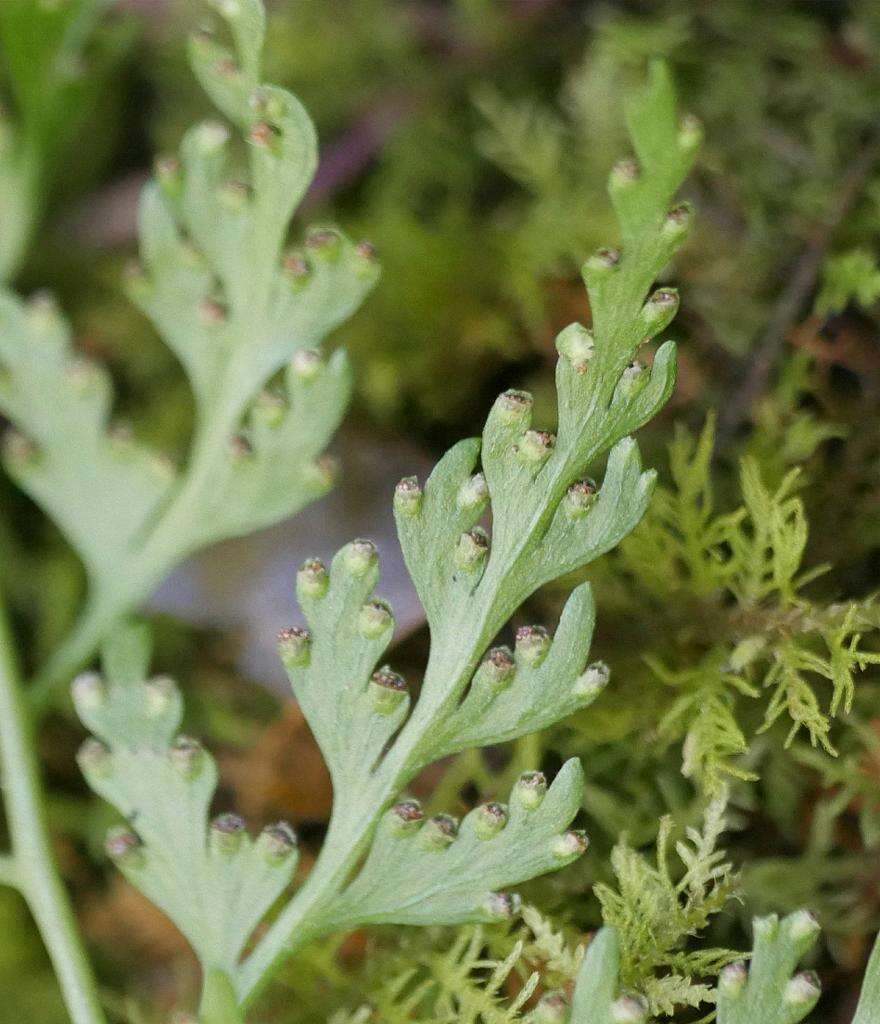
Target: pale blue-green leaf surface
215,891
868,1010
102,490
768,990
415,876
597,987
246,318
497,518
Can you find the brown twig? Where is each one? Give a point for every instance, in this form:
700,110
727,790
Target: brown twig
801,283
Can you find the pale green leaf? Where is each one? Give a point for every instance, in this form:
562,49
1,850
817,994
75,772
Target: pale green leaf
766,990
245,318
102,490
215,883
868,1010
422,875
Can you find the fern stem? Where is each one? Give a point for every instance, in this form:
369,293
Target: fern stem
32,867
218,1003
298,922
77,648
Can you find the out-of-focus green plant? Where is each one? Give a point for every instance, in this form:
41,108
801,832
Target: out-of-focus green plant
236,309
55,59
848,276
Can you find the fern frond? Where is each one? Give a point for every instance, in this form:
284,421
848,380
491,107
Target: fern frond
868,1009
66,457
597,998
382,862
546,520
245,318
494,847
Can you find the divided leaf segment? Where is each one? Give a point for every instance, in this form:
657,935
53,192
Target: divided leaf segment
210,879
768,990
497,518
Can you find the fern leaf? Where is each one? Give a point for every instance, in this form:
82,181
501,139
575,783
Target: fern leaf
102,490
244,316
381,860
596,999
211,879
766,991
436,872
868,1009
55,58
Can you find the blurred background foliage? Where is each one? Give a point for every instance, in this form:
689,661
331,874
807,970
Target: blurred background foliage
470,141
